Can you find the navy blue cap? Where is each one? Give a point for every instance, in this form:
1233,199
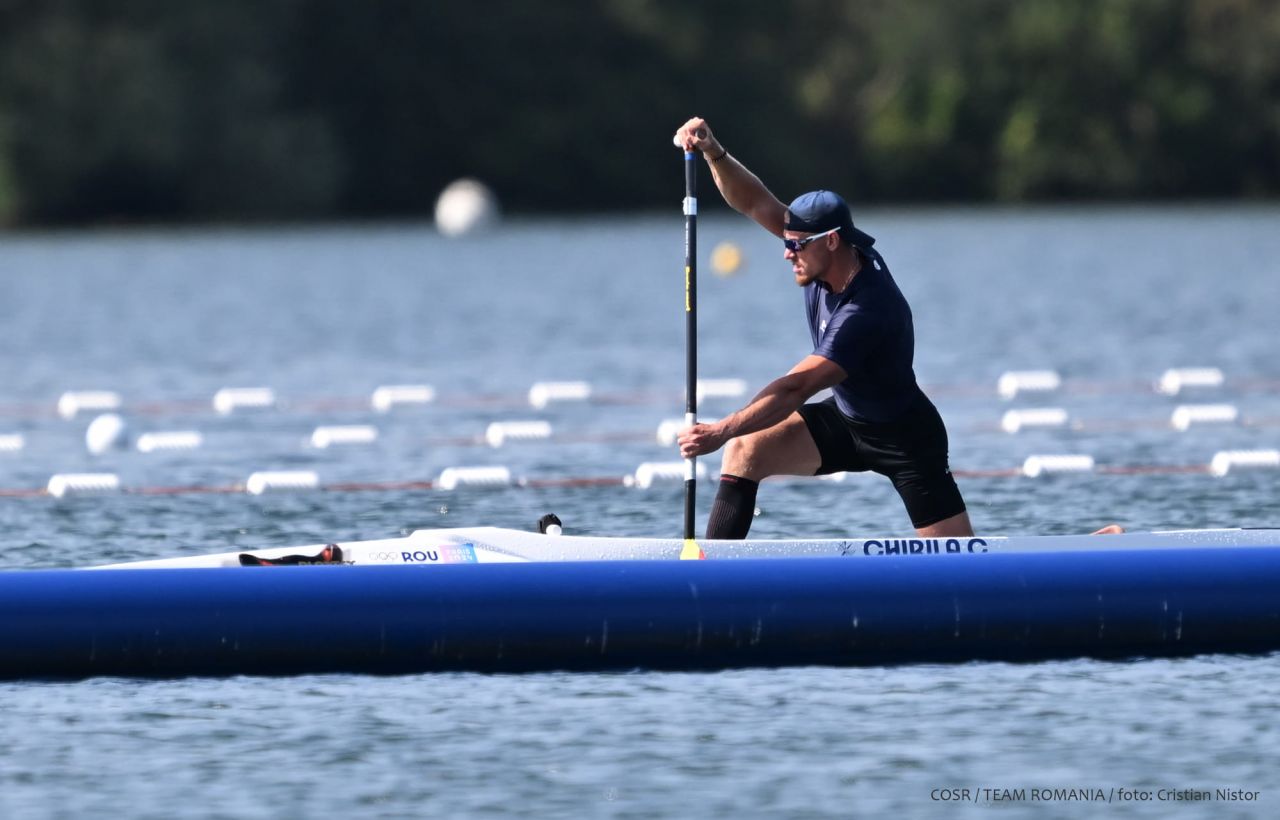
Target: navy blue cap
819,211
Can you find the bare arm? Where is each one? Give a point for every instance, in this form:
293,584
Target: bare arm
742,189
779,399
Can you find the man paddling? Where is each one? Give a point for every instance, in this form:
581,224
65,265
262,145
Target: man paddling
877,419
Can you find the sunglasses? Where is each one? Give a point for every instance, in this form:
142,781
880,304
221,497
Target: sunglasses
797,245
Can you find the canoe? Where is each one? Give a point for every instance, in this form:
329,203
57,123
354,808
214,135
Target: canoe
494,600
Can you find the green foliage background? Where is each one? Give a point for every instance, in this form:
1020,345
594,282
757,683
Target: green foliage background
146,110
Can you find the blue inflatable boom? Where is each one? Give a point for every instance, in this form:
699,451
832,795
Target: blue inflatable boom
621,615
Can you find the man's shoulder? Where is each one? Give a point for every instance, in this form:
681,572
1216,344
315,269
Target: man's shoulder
881,289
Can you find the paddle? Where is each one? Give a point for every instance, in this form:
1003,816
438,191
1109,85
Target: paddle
691,337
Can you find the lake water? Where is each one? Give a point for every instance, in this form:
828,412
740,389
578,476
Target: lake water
1110,298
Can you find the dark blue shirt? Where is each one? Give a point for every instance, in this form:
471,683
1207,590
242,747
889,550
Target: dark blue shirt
867,330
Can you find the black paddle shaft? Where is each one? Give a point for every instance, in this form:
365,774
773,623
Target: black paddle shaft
690,325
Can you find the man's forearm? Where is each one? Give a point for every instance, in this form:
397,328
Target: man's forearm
779,399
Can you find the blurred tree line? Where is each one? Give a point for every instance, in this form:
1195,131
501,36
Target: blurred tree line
164,110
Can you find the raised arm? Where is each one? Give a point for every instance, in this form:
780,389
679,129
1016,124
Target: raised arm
742,189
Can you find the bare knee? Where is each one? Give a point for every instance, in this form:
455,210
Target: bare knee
742,457
784,449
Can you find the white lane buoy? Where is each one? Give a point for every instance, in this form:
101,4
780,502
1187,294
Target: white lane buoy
1173,380
1225,461
1036,466
230,399
543,393
62,485
465,205
323,437
389,395
73,401
12,442
500,432
1188,414
281,481
454,477
1014,421
650,472
106,432
1013,382
171,440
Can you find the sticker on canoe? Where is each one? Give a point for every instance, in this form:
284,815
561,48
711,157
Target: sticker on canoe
443,554
915,546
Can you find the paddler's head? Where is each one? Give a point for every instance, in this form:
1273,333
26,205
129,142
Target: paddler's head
819,211
821,242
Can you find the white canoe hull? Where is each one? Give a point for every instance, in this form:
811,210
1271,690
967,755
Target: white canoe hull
487,545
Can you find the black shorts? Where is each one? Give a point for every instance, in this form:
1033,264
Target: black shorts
911,451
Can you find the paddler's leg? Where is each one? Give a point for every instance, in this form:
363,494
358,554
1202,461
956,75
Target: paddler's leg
787,448
913,453
956,525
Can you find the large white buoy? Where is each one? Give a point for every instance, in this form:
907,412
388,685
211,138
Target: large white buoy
465,205
106,432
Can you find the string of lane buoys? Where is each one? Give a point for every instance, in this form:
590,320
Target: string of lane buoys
646,475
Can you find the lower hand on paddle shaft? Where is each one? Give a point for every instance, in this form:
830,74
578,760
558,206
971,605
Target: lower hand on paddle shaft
700,439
